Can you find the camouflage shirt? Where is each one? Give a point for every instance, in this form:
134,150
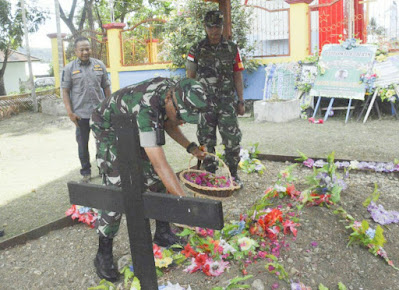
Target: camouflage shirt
214,65
146,100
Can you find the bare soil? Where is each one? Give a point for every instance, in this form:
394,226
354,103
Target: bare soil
39,155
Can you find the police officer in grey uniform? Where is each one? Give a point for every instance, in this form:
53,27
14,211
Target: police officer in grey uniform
84,85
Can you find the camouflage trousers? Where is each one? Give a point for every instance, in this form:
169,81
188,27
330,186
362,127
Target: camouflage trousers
108,222
222,115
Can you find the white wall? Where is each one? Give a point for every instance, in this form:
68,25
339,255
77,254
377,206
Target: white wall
14,72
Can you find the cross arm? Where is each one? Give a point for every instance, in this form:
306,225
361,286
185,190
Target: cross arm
166,207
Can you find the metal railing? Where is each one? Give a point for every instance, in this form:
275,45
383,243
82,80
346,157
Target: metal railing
14,104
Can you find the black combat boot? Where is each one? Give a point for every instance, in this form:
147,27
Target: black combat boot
164,237
104,260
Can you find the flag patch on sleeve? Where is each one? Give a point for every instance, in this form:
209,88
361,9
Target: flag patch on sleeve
238,66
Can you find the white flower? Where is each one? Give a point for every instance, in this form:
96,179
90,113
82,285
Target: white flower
227,248
280,188
170,286
244,154
245,243
354,164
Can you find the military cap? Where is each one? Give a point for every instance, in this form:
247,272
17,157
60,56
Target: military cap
214,18
191,101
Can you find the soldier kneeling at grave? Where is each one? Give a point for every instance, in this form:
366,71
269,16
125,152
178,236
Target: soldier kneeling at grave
159,104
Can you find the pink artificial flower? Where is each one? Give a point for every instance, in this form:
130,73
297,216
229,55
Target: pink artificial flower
290,226
71,210
201,231
262,254
308,163
214,268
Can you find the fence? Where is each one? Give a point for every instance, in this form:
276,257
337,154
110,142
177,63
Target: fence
270,28
141,43
11,105
372,21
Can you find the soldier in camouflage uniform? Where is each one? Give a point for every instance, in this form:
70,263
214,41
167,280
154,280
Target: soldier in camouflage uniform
216,63
157,103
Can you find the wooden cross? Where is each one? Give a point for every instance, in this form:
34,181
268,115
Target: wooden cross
140,206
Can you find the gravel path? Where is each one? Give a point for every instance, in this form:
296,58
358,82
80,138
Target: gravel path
38,157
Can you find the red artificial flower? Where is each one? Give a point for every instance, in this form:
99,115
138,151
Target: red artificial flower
272,232
200,259
157,251
206,269
253,230
188,251
290,226
273,216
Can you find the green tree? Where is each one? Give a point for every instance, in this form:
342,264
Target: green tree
12,30
186,28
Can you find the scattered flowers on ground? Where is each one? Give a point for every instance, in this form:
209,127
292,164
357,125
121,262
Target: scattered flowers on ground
83,214
381,215
314,121
170,286
249,162
363,234
356,165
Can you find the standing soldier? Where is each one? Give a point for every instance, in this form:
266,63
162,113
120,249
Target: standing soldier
159,104
216,63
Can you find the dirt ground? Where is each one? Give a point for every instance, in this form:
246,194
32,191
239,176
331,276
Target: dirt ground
38,155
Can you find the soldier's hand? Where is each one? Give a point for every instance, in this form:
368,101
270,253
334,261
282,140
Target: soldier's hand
74,118
240,108
199,153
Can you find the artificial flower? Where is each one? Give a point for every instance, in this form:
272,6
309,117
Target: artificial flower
188,251
246,243
215,268
170,286
157,251
381,215
164,262
290,226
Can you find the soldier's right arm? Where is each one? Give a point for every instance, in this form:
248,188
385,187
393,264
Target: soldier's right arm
191,64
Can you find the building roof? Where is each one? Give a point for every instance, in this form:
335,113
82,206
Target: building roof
16,56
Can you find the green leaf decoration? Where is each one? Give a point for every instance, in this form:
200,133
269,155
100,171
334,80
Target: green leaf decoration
322,287
135,284
302,157
104,285
365,226
373,197
341,286
185,232
379,239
